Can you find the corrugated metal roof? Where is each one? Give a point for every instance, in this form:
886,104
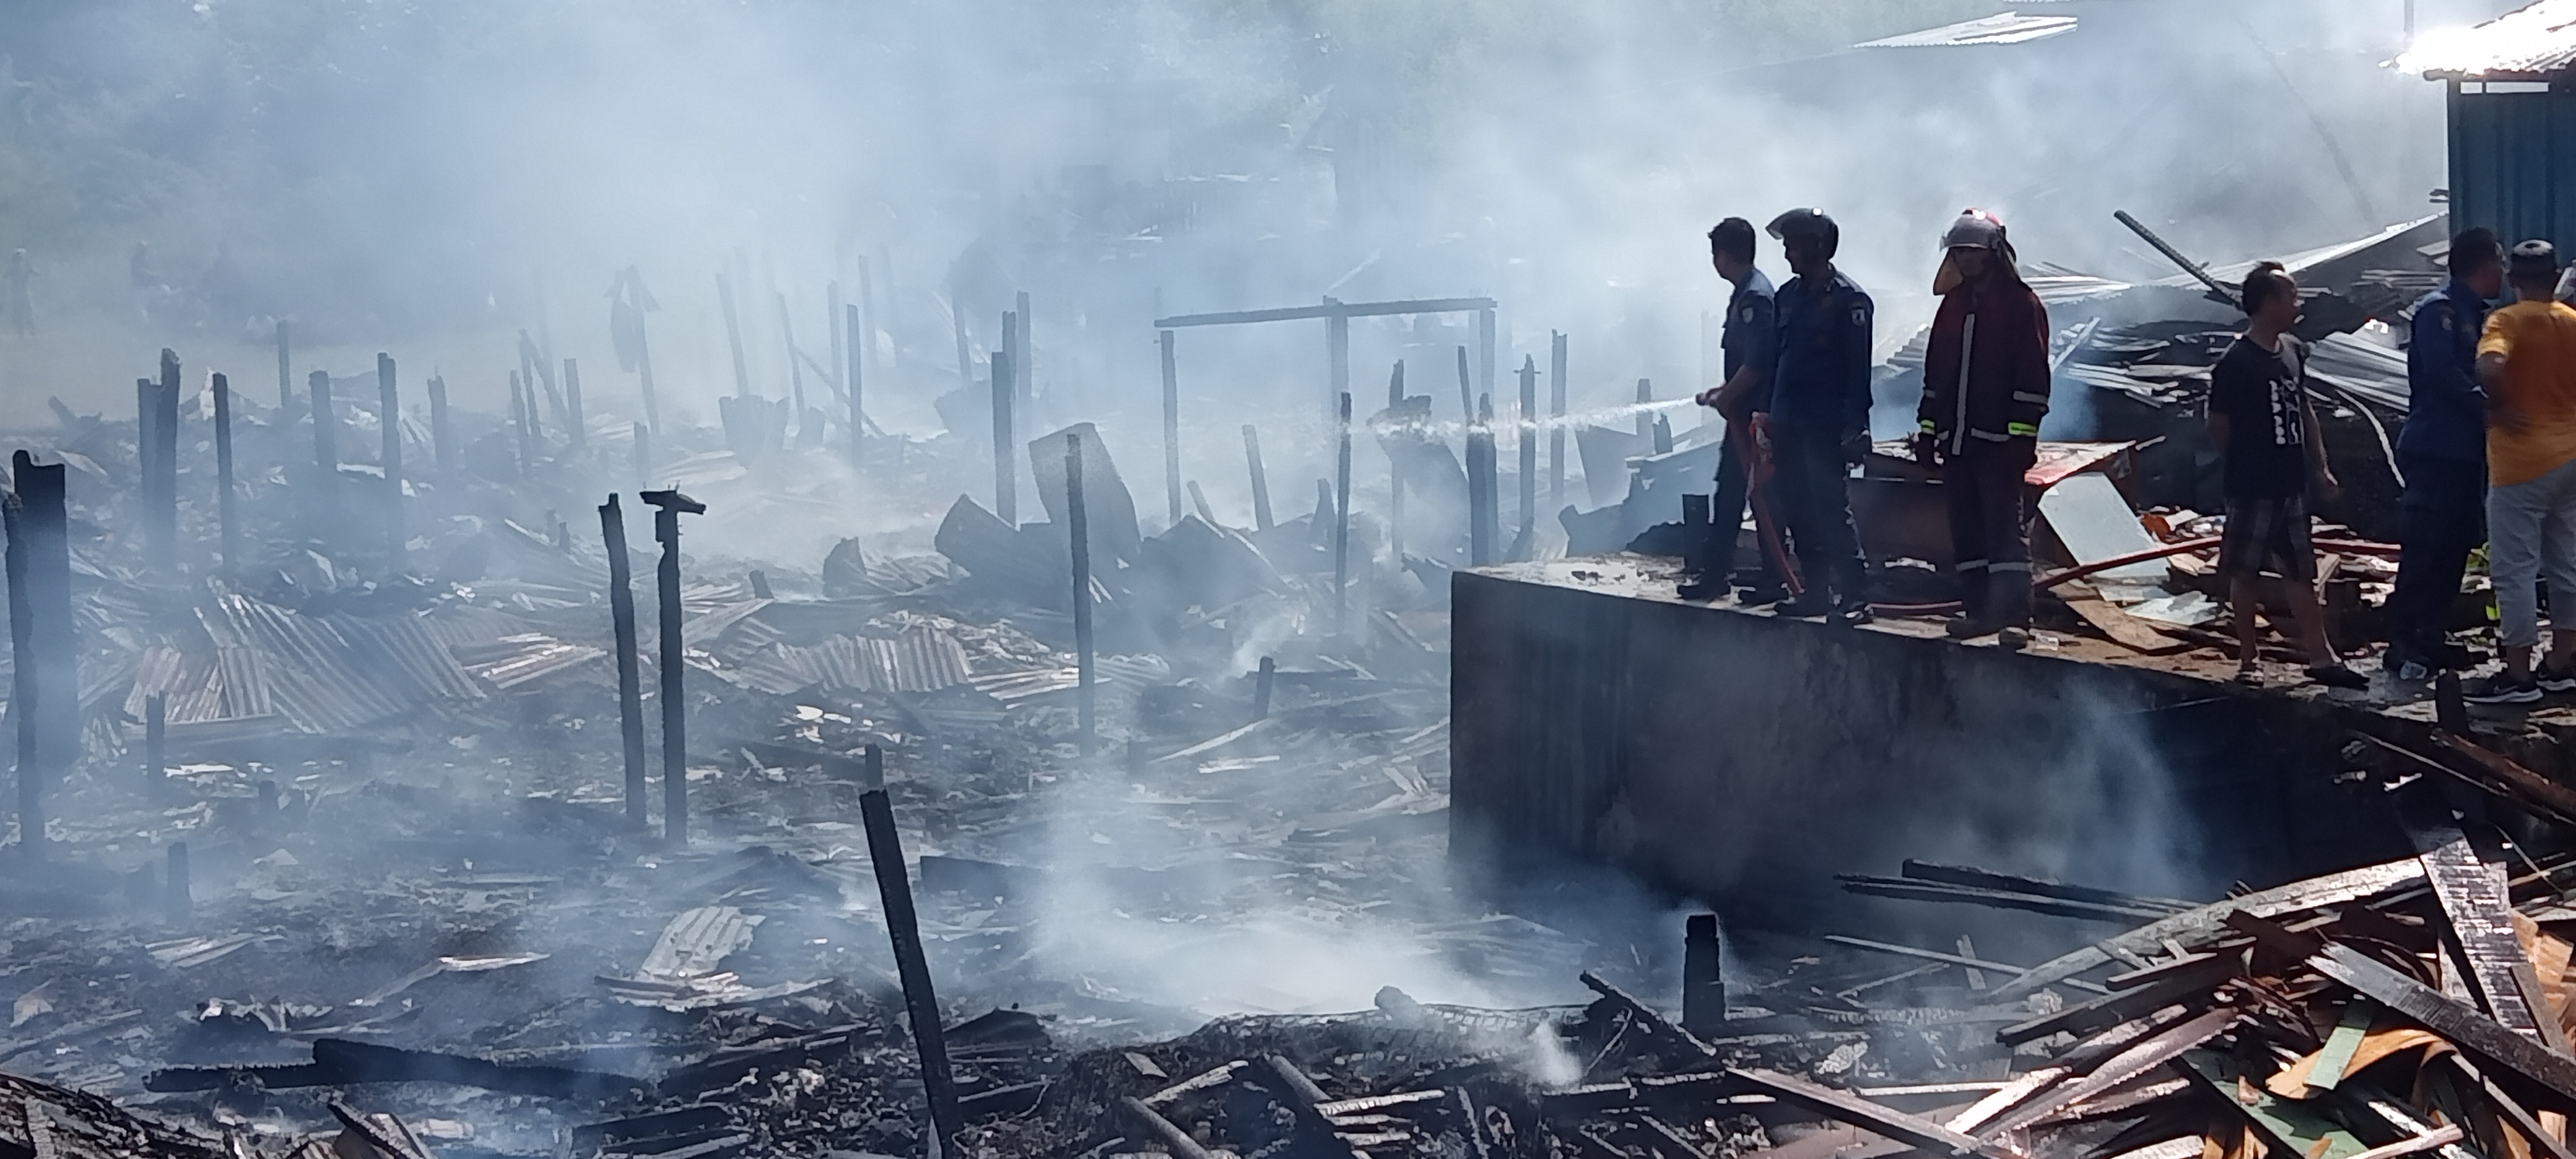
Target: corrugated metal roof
2534,43
2000,28
330,673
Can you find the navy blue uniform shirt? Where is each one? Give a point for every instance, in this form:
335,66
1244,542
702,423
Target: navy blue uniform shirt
2446,412
1752,333
1820,377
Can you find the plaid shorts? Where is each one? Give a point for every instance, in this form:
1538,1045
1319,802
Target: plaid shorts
2267,536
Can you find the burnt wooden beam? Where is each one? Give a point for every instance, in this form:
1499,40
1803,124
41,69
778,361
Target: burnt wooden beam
389,411
1171,429
912,968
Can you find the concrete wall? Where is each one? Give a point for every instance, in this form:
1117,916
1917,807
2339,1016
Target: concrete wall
1746,759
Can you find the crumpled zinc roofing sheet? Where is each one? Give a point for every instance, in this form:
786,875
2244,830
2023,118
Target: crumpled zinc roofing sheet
333,673
920,660
2532,43
2000,28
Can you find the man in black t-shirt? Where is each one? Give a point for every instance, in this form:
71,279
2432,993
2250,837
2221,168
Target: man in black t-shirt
2260,419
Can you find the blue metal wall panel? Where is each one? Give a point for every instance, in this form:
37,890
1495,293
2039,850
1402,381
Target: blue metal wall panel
2513,164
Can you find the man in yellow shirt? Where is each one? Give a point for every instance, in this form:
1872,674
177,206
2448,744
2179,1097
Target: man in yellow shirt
2527,363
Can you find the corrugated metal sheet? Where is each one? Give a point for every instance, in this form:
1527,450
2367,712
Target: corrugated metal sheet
2533,43
2000,28
2513,164
920,660
192,687
330,674
515,660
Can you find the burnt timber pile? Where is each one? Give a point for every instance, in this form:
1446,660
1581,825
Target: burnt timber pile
354,828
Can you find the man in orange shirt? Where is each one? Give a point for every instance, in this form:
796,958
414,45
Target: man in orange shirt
2527,362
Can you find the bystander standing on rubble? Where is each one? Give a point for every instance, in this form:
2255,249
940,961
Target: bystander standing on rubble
2442,454
1985,388
2264,426
1750,342
2527,363
1816,416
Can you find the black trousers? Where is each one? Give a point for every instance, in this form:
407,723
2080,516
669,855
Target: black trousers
1726,513
2444,509
1809,478
1989,531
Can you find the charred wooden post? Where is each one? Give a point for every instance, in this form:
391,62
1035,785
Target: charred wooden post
733,336
1395,469
630,681
576,424
668,506
285,376
643,456
442,447
1023,360
176,898
1555,412
1261,685
1077,521
795,370
965,349
894,889
531,372
864,338
842,333
1199,503
857,383
1466,390
156,725
1171,429
45,522
760,585
1337,355
1260,478
1342,515
1703,991
1485,351
520,406
227,517
326,439
389,409
24,671
1484,527
267,796
1527,436
165,449
1006,478
1645,418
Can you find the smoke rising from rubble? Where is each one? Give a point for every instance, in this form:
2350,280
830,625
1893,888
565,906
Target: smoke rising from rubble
431,180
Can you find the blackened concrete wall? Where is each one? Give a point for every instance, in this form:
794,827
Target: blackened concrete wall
1744,759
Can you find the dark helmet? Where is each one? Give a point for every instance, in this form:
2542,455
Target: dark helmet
1807,227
